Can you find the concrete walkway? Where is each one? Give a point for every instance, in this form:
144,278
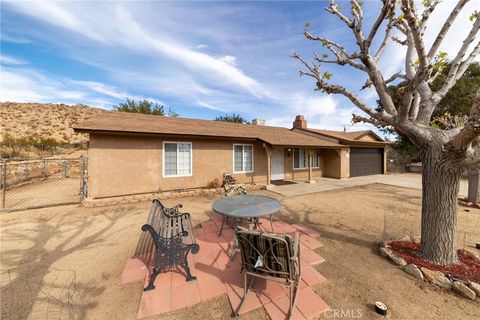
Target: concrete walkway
408,180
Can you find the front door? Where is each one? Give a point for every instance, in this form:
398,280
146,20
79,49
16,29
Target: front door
277,171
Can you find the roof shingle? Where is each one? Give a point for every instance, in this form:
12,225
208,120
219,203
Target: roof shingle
148,124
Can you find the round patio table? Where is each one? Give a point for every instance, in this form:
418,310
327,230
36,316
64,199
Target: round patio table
246,207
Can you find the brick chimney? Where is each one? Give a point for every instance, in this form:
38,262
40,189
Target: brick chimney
300,122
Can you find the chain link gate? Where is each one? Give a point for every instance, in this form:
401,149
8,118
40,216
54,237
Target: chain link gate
35,183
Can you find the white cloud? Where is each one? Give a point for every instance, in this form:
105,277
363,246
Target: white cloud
26,85
231,60
5,59
312,105
55,14
29,85
201,46
104,28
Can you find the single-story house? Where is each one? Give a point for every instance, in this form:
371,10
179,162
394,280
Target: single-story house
133,153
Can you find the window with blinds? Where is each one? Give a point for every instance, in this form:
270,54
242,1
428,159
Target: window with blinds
300,158
242,158
177,159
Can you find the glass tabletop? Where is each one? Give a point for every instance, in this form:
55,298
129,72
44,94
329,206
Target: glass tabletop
246,206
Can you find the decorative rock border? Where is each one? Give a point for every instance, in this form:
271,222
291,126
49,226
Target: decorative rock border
467,289
161,196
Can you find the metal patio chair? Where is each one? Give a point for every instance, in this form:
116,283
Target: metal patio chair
270,256
231,189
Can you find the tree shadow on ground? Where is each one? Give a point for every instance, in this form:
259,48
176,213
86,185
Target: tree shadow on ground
68,235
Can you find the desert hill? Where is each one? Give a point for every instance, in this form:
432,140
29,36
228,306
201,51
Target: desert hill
47,121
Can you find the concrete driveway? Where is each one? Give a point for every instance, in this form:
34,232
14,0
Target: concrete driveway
408,180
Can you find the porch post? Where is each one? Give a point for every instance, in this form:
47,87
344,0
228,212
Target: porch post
268,150
310,163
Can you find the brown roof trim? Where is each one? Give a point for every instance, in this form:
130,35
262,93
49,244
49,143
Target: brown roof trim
155,134
350,141
377,144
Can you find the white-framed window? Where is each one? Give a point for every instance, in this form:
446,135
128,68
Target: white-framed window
300,158
242,158
177,159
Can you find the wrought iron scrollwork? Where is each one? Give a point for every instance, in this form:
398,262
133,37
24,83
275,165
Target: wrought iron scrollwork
170,252
169,212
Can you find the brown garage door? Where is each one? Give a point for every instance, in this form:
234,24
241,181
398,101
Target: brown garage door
366,161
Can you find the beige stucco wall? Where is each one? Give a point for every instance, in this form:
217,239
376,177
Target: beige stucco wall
368,137
123,165
336,163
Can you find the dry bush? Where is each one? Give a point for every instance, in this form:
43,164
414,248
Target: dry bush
215,183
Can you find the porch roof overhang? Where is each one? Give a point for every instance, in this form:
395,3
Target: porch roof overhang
295,139
348,139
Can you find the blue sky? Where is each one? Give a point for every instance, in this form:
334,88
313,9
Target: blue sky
203,59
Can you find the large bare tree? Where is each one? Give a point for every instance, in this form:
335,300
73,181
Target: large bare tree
445,153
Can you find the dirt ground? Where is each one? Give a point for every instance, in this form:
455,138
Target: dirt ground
96,243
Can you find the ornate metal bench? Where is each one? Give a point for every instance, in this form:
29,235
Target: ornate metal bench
171,238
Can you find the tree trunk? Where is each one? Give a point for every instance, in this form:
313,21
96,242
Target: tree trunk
473,184
441,182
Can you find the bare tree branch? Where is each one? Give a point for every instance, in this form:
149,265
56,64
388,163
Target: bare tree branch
426,14
400,42
459,67
422,71
446,26
470,131
387,9
332,8
357,13
314,72
384,43
414,108
357,119
343,57
395,76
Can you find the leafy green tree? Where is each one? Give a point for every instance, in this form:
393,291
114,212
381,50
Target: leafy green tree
232,118
146,107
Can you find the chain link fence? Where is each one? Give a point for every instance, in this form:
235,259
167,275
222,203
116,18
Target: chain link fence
27,183
404,221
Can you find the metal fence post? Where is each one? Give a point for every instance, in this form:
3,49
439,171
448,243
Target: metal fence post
84,179
4,183
45,169
65,169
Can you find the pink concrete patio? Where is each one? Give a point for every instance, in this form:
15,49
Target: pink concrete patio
217,275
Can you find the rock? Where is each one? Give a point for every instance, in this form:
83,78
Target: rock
386,252
470,253
414,271
475,287
437,278
386,244
406,238
463,290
